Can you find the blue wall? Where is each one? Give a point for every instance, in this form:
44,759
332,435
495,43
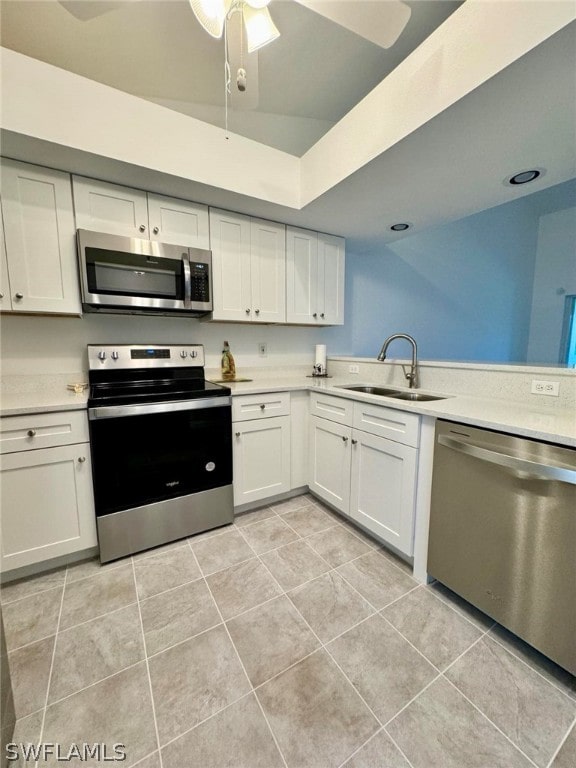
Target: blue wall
463,290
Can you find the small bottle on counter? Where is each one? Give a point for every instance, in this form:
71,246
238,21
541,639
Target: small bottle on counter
228,364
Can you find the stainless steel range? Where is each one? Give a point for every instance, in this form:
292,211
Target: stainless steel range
161,441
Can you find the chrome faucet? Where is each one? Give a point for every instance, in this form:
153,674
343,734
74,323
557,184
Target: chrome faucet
412,376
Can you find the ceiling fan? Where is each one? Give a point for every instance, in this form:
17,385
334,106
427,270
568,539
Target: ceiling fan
380,21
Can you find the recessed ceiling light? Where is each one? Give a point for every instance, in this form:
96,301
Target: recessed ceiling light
524,177
399,227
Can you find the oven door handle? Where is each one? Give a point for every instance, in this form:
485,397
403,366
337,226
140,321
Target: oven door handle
120,411
187,282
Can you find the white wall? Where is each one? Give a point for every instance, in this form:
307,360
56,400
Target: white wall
38,345
554,279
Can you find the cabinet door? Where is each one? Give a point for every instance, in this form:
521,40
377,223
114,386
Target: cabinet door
47,505
230,243
331,280
301,276
110,208
5,300
178,222
383,488
261,459
40,239
268,271
329,457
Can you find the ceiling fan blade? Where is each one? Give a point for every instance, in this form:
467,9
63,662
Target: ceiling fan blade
380,21
86,10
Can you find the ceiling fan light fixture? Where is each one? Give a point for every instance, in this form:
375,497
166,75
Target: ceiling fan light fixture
260,29
211,15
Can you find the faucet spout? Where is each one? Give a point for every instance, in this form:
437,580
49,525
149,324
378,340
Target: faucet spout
412,376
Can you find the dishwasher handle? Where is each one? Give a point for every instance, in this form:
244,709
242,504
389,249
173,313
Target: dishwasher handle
524,467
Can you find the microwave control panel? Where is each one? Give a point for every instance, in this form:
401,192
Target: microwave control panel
200,281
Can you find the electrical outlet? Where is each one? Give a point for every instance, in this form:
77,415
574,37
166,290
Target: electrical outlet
550,388
263,349
353,369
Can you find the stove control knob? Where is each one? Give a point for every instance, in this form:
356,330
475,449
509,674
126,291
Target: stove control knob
114,355
102,355
183,353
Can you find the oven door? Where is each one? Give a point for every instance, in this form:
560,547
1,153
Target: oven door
150,453
132,274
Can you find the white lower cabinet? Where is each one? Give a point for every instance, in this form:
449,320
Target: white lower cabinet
329,454
261,458
368,477
47,502
383,486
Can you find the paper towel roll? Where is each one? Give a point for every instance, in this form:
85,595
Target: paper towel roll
320,358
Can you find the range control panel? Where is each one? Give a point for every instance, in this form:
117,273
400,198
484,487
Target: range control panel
120,356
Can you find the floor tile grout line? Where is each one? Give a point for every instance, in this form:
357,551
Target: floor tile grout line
49,682
353,754
6,603
32,642
412,700
412,644
398,747
562,742
553,683
397,599
104,569
147,666
135,765
165,591
457,610
243,668
485,716
96,618
185,640
323,647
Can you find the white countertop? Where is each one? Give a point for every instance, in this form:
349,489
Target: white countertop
550,424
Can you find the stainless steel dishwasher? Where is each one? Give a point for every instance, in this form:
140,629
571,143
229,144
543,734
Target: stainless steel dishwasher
503,532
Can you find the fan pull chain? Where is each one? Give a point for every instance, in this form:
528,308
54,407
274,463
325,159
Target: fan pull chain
227,77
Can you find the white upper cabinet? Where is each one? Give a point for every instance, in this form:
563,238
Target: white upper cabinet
40,240
120,210
331,257
110,208
315,278
178,222
248,268
5,299
268,271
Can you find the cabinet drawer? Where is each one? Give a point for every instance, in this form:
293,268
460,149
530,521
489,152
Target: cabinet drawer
42,430
334,408
399,426
260,406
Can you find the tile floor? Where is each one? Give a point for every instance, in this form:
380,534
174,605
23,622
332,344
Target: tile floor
287,639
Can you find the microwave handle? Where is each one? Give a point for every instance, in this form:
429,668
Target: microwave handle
187,281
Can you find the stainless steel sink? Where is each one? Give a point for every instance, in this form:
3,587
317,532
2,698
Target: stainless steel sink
416,396
383,391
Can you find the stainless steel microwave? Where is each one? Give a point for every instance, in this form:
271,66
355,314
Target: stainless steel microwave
127,274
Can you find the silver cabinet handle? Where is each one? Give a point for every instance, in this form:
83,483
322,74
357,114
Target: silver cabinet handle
19,296
1,295
81,459
142,228
156,230
528,469
315,314
354,442
247,311
345,439
262,406
257,311
238,434
322,314
31,433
